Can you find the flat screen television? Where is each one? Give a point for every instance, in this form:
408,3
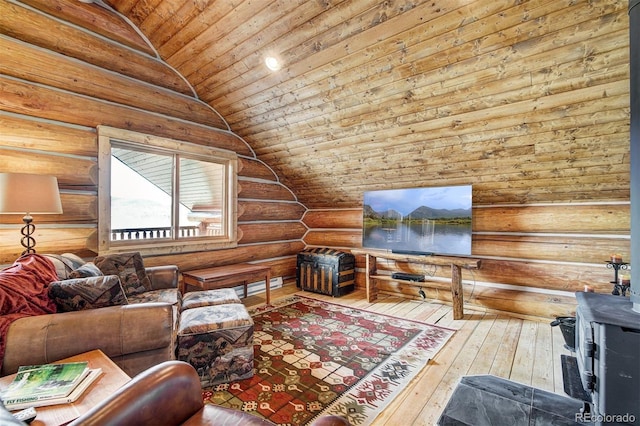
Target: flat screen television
428,220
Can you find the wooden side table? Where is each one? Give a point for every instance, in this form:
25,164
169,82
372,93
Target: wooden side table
111,379
228,276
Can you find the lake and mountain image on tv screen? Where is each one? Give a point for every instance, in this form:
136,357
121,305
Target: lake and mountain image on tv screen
423,220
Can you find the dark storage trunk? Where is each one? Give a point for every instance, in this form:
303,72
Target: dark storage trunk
326,271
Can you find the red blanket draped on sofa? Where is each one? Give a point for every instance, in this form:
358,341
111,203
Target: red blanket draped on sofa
24,292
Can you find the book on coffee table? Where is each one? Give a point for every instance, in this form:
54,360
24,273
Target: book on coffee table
76,393
37,385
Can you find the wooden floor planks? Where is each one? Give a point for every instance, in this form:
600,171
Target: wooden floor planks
489,350
526,350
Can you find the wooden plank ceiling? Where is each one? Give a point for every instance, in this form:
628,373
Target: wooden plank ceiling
379,94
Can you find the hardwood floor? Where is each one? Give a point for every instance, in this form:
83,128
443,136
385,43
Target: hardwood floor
525,350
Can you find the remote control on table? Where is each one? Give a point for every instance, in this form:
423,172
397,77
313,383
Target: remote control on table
27,415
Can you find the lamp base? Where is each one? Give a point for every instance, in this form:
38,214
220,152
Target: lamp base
27,241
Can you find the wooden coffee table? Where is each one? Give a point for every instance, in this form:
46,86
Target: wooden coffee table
111,379
228,276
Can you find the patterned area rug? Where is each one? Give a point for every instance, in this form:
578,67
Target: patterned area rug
314,358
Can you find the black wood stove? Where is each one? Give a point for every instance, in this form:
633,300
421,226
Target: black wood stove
605,372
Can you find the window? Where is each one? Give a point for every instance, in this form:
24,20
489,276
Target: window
158,195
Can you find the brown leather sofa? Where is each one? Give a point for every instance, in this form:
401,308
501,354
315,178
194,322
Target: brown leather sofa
170,394
134,336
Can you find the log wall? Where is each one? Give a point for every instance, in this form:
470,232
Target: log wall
67,69
534,257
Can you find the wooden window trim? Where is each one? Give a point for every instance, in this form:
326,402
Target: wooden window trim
147,247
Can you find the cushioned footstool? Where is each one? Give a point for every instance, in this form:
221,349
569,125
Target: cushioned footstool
197,299
217,341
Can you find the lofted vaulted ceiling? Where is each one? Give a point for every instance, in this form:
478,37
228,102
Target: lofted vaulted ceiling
378,94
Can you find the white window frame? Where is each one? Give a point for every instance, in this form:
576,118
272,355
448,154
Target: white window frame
163,145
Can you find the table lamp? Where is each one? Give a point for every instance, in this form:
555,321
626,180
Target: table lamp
22,193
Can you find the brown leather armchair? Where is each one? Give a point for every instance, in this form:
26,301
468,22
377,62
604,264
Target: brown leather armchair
170,394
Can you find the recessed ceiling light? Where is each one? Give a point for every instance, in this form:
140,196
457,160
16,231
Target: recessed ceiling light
272,63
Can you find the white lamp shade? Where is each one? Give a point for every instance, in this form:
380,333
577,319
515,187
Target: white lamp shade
23,193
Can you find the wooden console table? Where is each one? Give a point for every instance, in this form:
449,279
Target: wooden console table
228,276
456,264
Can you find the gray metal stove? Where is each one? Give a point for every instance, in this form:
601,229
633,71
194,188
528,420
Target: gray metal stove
605,372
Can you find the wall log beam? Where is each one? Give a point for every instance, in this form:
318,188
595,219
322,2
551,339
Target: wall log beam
268,210
270,231
250,167
67,107
95,18
40,30
25,62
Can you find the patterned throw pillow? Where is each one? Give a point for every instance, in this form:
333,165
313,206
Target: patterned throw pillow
87,293
129,267
89,269
65,263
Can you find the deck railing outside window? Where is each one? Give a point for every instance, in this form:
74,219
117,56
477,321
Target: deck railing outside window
164,232
151,233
